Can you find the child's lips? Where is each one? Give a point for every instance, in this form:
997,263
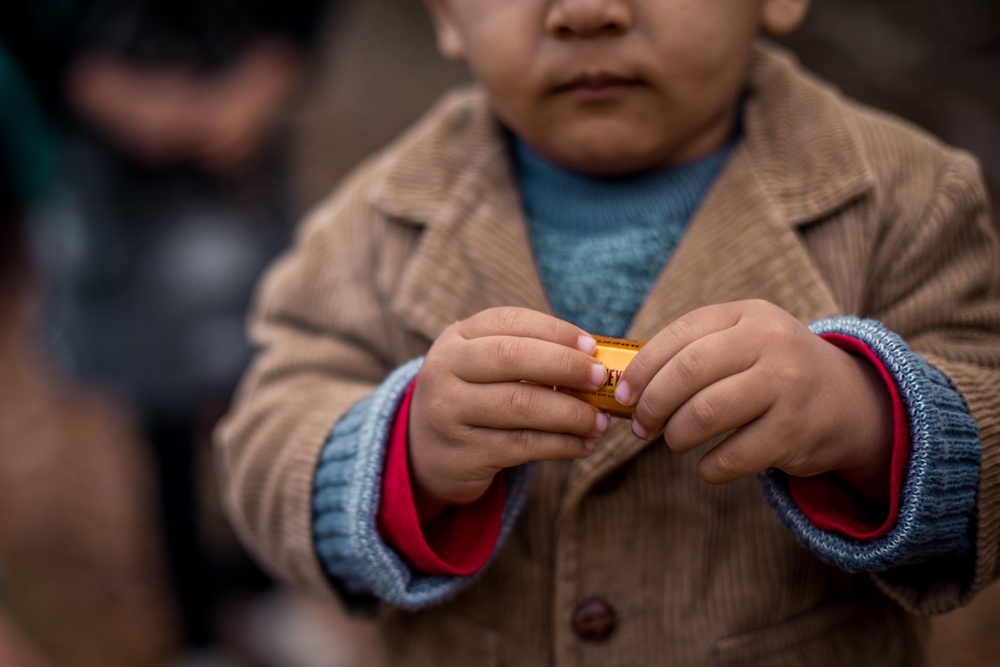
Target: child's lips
597,85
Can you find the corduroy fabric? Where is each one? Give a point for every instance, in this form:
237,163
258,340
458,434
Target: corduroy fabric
940,484
824,208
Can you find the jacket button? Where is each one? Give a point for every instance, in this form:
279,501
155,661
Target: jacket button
594,620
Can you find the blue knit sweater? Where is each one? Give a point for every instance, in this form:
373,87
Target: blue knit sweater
578,224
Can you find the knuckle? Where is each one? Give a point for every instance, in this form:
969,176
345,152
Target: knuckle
758,308
638,368
523,440
439,405
681,330
554,329
790,329
794,461
445,414
780,330
689,365
645,415
522,403
702,413
642,412
788,375
721,466
508,352
573,367
582,420
507,318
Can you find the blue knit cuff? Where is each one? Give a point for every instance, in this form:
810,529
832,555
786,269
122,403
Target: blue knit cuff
939,491
346,497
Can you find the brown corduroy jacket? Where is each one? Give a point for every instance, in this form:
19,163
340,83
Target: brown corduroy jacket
824,208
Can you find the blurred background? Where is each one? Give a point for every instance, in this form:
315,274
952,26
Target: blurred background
156,156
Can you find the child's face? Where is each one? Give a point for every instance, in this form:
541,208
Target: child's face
612,86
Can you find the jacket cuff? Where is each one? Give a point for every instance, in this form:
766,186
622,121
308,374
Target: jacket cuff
939,490
346,499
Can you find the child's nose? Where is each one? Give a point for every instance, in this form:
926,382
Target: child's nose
588,18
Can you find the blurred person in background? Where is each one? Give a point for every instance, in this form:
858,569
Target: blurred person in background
82,582
172,200
15,648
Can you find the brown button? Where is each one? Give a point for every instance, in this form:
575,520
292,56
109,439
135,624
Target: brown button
594,620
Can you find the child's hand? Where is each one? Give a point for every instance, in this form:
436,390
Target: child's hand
792,400
484,401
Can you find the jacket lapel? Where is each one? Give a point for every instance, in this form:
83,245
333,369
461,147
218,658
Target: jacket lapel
473,250
460,269
737,247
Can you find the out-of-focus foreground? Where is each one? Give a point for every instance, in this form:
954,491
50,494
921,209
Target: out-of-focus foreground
86,564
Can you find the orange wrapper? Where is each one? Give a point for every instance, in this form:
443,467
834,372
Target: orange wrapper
615,354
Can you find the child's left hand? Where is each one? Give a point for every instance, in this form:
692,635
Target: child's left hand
791,400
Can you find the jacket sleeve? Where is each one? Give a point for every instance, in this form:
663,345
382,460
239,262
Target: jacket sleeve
933,524
346,503
933,317
324,342
301,452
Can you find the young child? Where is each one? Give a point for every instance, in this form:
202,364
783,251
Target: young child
809,468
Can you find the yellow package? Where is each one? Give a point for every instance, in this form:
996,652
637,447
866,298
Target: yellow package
615,354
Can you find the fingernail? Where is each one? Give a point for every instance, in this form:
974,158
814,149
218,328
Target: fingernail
623,393
598,374
639,431
589,445
586,344
603,422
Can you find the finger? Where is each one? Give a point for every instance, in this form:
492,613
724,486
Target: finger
721,407
702,363
746,452
510,448
527,323
524,406
668,342
491,359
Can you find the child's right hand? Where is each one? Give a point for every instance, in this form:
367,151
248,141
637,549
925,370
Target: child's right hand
484,402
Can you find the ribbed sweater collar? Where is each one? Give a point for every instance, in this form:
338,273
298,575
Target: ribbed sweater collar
560,198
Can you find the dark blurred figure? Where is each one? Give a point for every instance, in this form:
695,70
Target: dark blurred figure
27,159
82,579
15,647
173,200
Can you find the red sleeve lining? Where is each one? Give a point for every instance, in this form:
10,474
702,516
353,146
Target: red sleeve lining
460,541
827,501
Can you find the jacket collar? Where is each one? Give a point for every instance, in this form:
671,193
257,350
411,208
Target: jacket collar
800,141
